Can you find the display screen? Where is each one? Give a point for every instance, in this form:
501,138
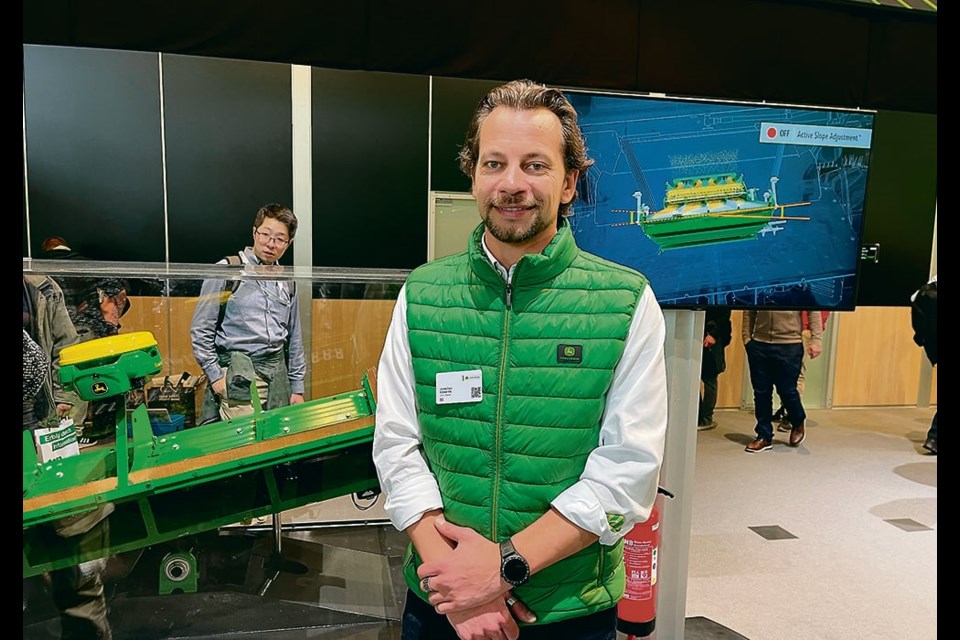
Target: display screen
726,204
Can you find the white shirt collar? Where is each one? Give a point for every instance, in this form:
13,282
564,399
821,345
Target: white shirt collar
504,273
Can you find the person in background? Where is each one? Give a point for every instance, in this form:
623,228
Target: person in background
780,415
97,315
34,378
56,248
73,287
717,333
254,336
923,318
95,306
774,344
522,403
100,308
77,591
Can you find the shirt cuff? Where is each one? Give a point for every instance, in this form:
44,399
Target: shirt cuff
214,374
405,504
580,505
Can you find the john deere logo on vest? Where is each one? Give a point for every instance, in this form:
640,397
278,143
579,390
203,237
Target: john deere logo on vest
99,388
569,353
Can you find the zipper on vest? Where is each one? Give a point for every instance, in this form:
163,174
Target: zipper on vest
498,443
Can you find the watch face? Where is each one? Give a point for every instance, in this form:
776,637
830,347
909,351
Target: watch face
515,570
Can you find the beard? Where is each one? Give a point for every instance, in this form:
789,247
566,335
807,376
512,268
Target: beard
511,234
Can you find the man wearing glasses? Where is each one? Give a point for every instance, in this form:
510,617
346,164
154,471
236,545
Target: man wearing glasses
248,332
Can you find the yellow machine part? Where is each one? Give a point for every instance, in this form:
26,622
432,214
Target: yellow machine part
108,347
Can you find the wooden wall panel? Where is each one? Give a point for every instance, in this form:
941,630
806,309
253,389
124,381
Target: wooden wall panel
348,337
730,381
169,321
148,313
877,360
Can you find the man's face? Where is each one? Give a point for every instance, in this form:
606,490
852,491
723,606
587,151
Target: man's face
520,179
111,307
270,240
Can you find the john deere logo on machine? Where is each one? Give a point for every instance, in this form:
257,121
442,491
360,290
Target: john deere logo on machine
99,388
570,353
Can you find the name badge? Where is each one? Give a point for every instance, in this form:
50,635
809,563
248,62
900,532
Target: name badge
459,387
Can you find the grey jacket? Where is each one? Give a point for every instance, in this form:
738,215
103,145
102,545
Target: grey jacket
54,331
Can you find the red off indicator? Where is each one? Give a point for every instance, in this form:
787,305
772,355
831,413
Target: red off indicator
772,132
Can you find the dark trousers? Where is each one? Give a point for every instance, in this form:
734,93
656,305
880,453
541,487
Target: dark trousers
932,432
78,595
421,622
78,591
708,400
775,365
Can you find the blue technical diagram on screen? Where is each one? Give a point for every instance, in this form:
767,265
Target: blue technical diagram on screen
729,204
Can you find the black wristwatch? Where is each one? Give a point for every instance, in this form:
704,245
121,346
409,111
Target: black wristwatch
513,566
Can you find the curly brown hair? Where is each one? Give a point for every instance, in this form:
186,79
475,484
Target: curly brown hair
526,95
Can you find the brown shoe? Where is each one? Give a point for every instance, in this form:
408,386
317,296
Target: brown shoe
758,445
797,434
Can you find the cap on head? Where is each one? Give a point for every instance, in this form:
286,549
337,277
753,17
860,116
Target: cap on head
52,243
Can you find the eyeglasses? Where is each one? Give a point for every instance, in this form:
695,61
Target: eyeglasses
266,238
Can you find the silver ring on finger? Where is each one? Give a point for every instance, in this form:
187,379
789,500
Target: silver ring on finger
425,585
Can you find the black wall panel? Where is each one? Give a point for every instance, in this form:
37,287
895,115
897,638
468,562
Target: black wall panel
229,151
900,207
94,160
903,66
369,169
454,101
754,50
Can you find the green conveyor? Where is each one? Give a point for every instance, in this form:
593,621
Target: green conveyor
186,482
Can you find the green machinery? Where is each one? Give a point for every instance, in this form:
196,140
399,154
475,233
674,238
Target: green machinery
159,488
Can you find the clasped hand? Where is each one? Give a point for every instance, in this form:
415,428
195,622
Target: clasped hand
469,576
466,587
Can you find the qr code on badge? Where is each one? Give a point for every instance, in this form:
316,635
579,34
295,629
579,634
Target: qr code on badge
475,392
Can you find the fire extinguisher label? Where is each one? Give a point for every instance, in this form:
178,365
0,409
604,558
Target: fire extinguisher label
640,562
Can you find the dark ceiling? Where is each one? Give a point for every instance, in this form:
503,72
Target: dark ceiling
875,54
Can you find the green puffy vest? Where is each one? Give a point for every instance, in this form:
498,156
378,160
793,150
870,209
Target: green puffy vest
547,346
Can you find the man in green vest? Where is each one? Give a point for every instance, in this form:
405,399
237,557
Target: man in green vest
522,404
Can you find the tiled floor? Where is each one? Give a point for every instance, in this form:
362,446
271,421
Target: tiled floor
833,540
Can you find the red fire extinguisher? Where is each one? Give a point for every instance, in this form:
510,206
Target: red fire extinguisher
637,610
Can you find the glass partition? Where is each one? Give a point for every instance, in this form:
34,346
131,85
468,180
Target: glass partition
344,313
145,443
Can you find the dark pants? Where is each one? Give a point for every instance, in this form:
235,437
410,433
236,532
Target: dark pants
708,400
421,622
932,433
78,595
775,365
78,591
